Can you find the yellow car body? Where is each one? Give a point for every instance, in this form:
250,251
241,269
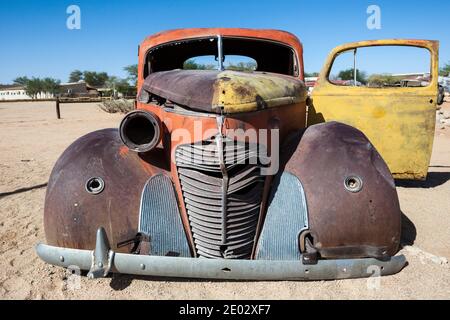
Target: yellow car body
400,121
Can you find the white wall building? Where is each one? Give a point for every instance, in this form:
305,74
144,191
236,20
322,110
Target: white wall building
17,92
13,92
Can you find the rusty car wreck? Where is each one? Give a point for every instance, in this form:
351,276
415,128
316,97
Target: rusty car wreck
182,190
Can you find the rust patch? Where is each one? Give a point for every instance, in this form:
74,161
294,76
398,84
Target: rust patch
72,215
244,91
123,151
347,224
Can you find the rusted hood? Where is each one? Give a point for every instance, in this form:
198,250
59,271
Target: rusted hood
231,91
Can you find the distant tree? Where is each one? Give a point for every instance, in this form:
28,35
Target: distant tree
75,76
51,86
312,74
190,64
111,81
21,81
117,85
242,66
382,80
348,74
96,79
48,86
33,87
132,71
124,87
445,70
111,84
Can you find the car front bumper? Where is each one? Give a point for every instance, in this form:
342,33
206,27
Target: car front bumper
101,261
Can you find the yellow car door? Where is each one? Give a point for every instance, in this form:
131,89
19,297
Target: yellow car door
396,114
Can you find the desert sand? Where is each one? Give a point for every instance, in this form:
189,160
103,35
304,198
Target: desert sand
31,140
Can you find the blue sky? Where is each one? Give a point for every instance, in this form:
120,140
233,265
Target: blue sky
36,42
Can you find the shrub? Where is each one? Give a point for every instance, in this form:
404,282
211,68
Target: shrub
114,106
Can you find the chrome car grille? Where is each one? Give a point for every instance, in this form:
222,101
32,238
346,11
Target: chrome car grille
222,189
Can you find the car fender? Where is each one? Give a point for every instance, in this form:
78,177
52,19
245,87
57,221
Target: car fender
74,210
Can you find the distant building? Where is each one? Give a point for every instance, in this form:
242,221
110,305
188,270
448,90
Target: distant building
412,76
78,89
13,92
17,92
68,90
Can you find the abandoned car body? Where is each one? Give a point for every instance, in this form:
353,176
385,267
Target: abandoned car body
182,190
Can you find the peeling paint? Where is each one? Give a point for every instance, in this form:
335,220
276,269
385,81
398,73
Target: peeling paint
400,122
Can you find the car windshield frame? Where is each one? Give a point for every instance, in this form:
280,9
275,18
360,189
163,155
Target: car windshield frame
221,46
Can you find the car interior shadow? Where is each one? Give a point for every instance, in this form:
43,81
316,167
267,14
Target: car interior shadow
313,116
434,179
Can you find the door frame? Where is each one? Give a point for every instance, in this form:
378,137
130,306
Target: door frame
324,88
431,45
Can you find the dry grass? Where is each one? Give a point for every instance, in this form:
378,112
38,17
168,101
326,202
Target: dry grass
117,106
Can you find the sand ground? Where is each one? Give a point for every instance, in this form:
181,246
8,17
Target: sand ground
31,139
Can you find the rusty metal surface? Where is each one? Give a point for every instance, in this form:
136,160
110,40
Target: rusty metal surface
399,121
160,220
343,222
222,195
286,218
72,215
140,130
191,88
159,38
288,119
226,91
